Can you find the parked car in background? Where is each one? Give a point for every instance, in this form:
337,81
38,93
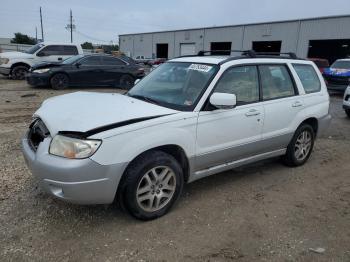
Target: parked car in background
86,70
157,61
321,63
142,60
346,102
338,75
17,64
215,114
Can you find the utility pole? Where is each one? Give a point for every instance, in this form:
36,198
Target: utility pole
36,34
41,23
71,26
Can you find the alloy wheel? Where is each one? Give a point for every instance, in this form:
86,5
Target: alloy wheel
303,145
156,188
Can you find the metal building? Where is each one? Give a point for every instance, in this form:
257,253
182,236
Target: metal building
322,37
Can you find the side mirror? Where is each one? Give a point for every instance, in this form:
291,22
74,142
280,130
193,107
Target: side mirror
223,100
136,81
77,65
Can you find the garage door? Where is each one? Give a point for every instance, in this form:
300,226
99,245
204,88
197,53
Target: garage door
187,49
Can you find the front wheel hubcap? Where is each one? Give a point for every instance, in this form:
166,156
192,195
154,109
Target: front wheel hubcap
156,188
303,145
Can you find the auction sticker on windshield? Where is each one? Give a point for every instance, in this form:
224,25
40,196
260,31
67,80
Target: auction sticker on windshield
199,67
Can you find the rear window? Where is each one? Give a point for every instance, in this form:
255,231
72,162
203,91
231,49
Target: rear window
70,50
308,78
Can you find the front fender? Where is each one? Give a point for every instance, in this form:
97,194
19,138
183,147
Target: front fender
125,147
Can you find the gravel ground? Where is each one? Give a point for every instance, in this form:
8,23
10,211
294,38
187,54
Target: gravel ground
262,212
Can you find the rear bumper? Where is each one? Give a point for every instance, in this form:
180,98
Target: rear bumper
5,70
323,124
76,181
38,79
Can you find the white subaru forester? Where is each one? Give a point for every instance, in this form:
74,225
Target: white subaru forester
190,118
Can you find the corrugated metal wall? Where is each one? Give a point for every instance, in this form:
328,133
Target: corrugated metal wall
295,36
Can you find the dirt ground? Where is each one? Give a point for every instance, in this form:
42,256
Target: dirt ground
263,212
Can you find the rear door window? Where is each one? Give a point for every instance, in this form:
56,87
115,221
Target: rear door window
308,78
276,82
111,61
91,61
70,50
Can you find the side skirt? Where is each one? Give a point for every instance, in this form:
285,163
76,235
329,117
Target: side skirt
227,166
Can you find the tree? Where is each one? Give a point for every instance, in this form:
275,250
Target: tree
23,39
109,48
87,45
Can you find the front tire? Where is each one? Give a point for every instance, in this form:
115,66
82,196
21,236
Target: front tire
59,81
152,184
19,72
347,111
300,147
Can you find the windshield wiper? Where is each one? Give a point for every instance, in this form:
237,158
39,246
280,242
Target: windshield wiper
145,98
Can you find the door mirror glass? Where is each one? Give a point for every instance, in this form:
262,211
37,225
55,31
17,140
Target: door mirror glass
223,100
136,81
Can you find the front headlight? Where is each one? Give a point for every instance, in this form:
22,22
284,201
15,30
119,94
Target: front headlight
4,60
73,148
40,71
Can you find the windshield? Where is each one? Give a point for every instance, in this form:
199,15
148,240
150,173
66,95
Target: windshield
34,48
341,65
175,85
72,59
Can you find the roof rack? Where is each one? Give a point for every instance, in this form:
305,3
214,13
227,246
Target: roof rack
250,53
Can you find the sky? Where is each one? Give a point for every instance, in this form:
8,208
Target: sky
102,21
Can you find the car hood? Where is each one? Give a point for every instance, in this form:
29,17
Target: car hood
14,55
46,65
337,72
85,111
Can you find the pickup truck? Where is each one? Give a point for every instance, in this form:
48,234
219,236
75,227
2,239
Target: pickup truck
17,64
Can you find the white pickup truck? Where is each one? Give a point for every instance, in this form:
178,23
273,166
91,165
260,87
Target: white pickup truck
16,64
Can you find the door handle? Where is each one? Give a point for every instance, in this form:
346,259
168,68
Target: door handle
252,112
59,59
297,104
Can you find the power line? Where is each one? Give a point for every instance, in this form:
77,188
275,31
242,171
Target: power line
90,37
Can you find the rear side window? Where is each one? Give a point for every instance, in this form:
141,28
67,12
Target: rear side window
70,50
242,81
112,61
276,82
308,78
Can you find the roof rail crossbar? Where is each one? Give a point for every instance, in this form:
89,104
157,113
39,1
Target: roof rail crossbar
250,53
290,54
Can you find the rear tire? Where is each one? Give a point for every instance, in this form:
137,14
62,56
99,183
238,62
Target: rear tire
347,111
126,82
19,72
300,147
59,81
151,185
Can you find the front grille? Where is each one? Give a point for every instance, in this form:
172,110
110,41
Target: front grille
37,133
